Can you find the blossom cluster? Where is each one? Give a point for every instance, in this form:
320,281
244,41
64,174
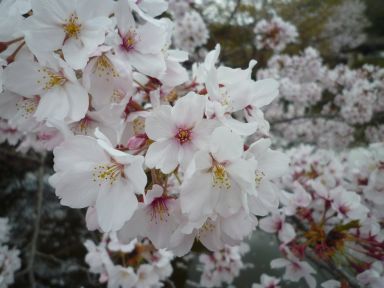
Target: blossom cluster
221,267
9,257
148,151
332,210
274,34
345,26
136,264
324,106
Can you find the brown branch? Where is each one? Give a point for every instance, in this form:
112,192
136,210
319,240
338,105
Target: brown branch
237,6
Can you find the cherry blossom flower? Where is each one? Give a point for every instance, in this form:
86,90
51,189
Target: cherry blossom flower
152,219
220,179
109,179
178,132
374,277
295,270
276,224
274,34
267,281
62,97
75,27
140,45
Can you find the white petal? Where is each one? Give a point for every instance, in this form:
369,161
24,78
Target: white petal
22,78
267,224
265,91
152,39
287,233
163,155
279,263
152,65
159,125
53,105
226,145
188,110
78,149
135,174
196,197
78,101
76,187
115,205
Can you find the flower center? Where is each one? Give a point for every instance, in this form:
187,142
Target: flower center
208,227
27,106
220,177
183,135
82,126
259,177
104,67
107,172
50,79
159,210
72,27
129,41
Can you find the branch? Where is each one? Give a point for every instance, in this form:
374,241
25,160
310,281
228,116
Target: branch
237,6
36,230
331,268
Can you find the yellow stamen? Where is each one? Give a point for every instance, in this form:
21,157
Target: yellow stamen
72,27
220,177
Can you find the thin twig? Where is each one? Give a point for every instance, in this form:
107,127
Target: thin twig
36,230
234,11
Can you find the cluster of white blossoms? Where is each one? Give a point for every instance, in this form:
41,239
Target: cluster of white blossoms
267,281
332,209
9,257
191,32
149,152
324,106
274,34
345,26
136,264
222,267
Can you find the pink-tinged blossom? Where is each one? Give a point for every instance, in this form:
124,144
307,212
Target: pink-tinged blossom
300,198
109,179
274,34
75,27
62,97
155,218
276,224
222,266
219,179
190,32
271,165
140,45
295,270
178,132
373,277
214,232
267,281
232,90
348,204
107,79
